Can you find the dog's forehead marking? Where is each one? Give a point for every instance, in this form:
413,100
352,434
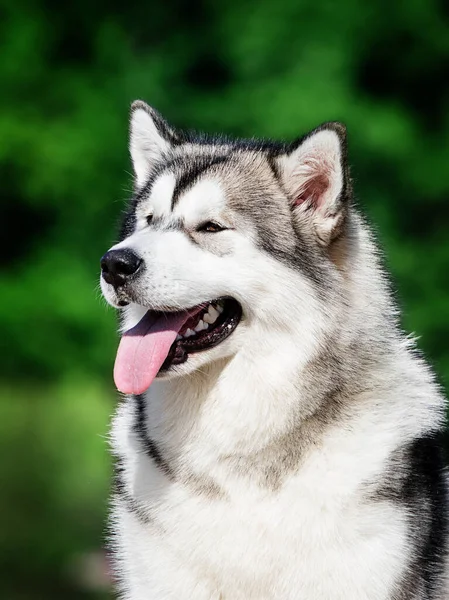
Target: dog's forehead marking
160,198
201,202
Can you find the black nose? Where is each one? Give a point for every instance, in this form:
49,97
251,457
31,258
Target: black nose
117,266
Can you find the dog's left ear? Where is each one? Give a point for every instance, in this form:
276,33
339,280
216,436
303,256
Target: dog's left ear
315,175
150,139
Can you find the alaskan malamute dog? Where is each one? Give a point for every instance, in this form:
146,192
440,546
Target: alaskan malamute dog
280,437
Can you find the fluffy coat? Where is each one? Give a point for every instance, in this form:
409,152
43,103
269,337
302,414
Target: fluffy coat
301,458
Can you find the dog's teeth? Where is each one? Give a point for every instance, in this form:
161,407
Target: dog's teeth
188,333
200,326
219,308
213,313
178,337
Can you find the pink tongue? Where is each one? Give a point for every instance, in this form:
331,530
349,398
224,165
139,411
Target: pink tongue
143,349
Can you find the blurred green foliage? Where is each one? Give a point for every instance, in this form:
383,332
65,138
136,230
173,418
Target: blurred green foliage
68,73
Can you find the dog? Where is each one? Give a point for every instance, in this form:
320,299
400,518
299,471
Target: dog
280,436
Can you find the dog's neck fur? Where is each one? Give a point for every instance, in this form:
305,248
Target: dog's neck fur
309,383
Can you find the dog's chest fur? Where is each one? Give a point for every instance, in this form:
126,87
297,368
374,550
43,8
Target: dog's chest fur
262,527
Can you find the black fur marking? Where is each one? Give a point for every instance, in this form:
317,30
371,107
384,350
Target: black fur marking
121,491
228,144
273,165
128,223
426,482
417,481
151,448
190,175
119,481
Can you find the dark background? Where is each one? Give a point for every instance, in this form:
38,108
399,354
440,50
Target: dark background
68,73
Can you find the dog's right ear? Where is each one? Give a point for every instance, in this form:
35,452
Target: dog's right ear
150,139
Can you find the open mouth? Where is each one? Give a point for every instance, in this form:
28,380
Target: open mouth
162,339
208,327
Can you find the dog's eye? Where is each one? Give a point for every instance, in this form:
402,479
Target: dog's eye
211,227
149,219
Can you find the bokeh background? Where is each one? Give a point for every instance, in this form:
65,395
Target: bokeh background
68,72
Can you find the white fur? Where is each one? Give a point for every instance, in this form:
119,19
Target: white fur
201,203
146,144
314,537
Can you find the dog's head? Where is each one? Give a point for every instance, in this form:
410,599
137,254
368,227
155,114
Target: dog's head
225,246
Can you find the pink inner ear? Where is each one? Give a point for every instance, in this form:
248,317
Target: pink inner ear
312,190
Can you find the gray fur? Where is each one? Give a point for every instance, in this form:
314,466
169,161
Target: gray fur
363,375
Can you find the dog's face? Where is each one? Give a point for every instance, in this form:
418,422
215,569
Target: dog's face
225,243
